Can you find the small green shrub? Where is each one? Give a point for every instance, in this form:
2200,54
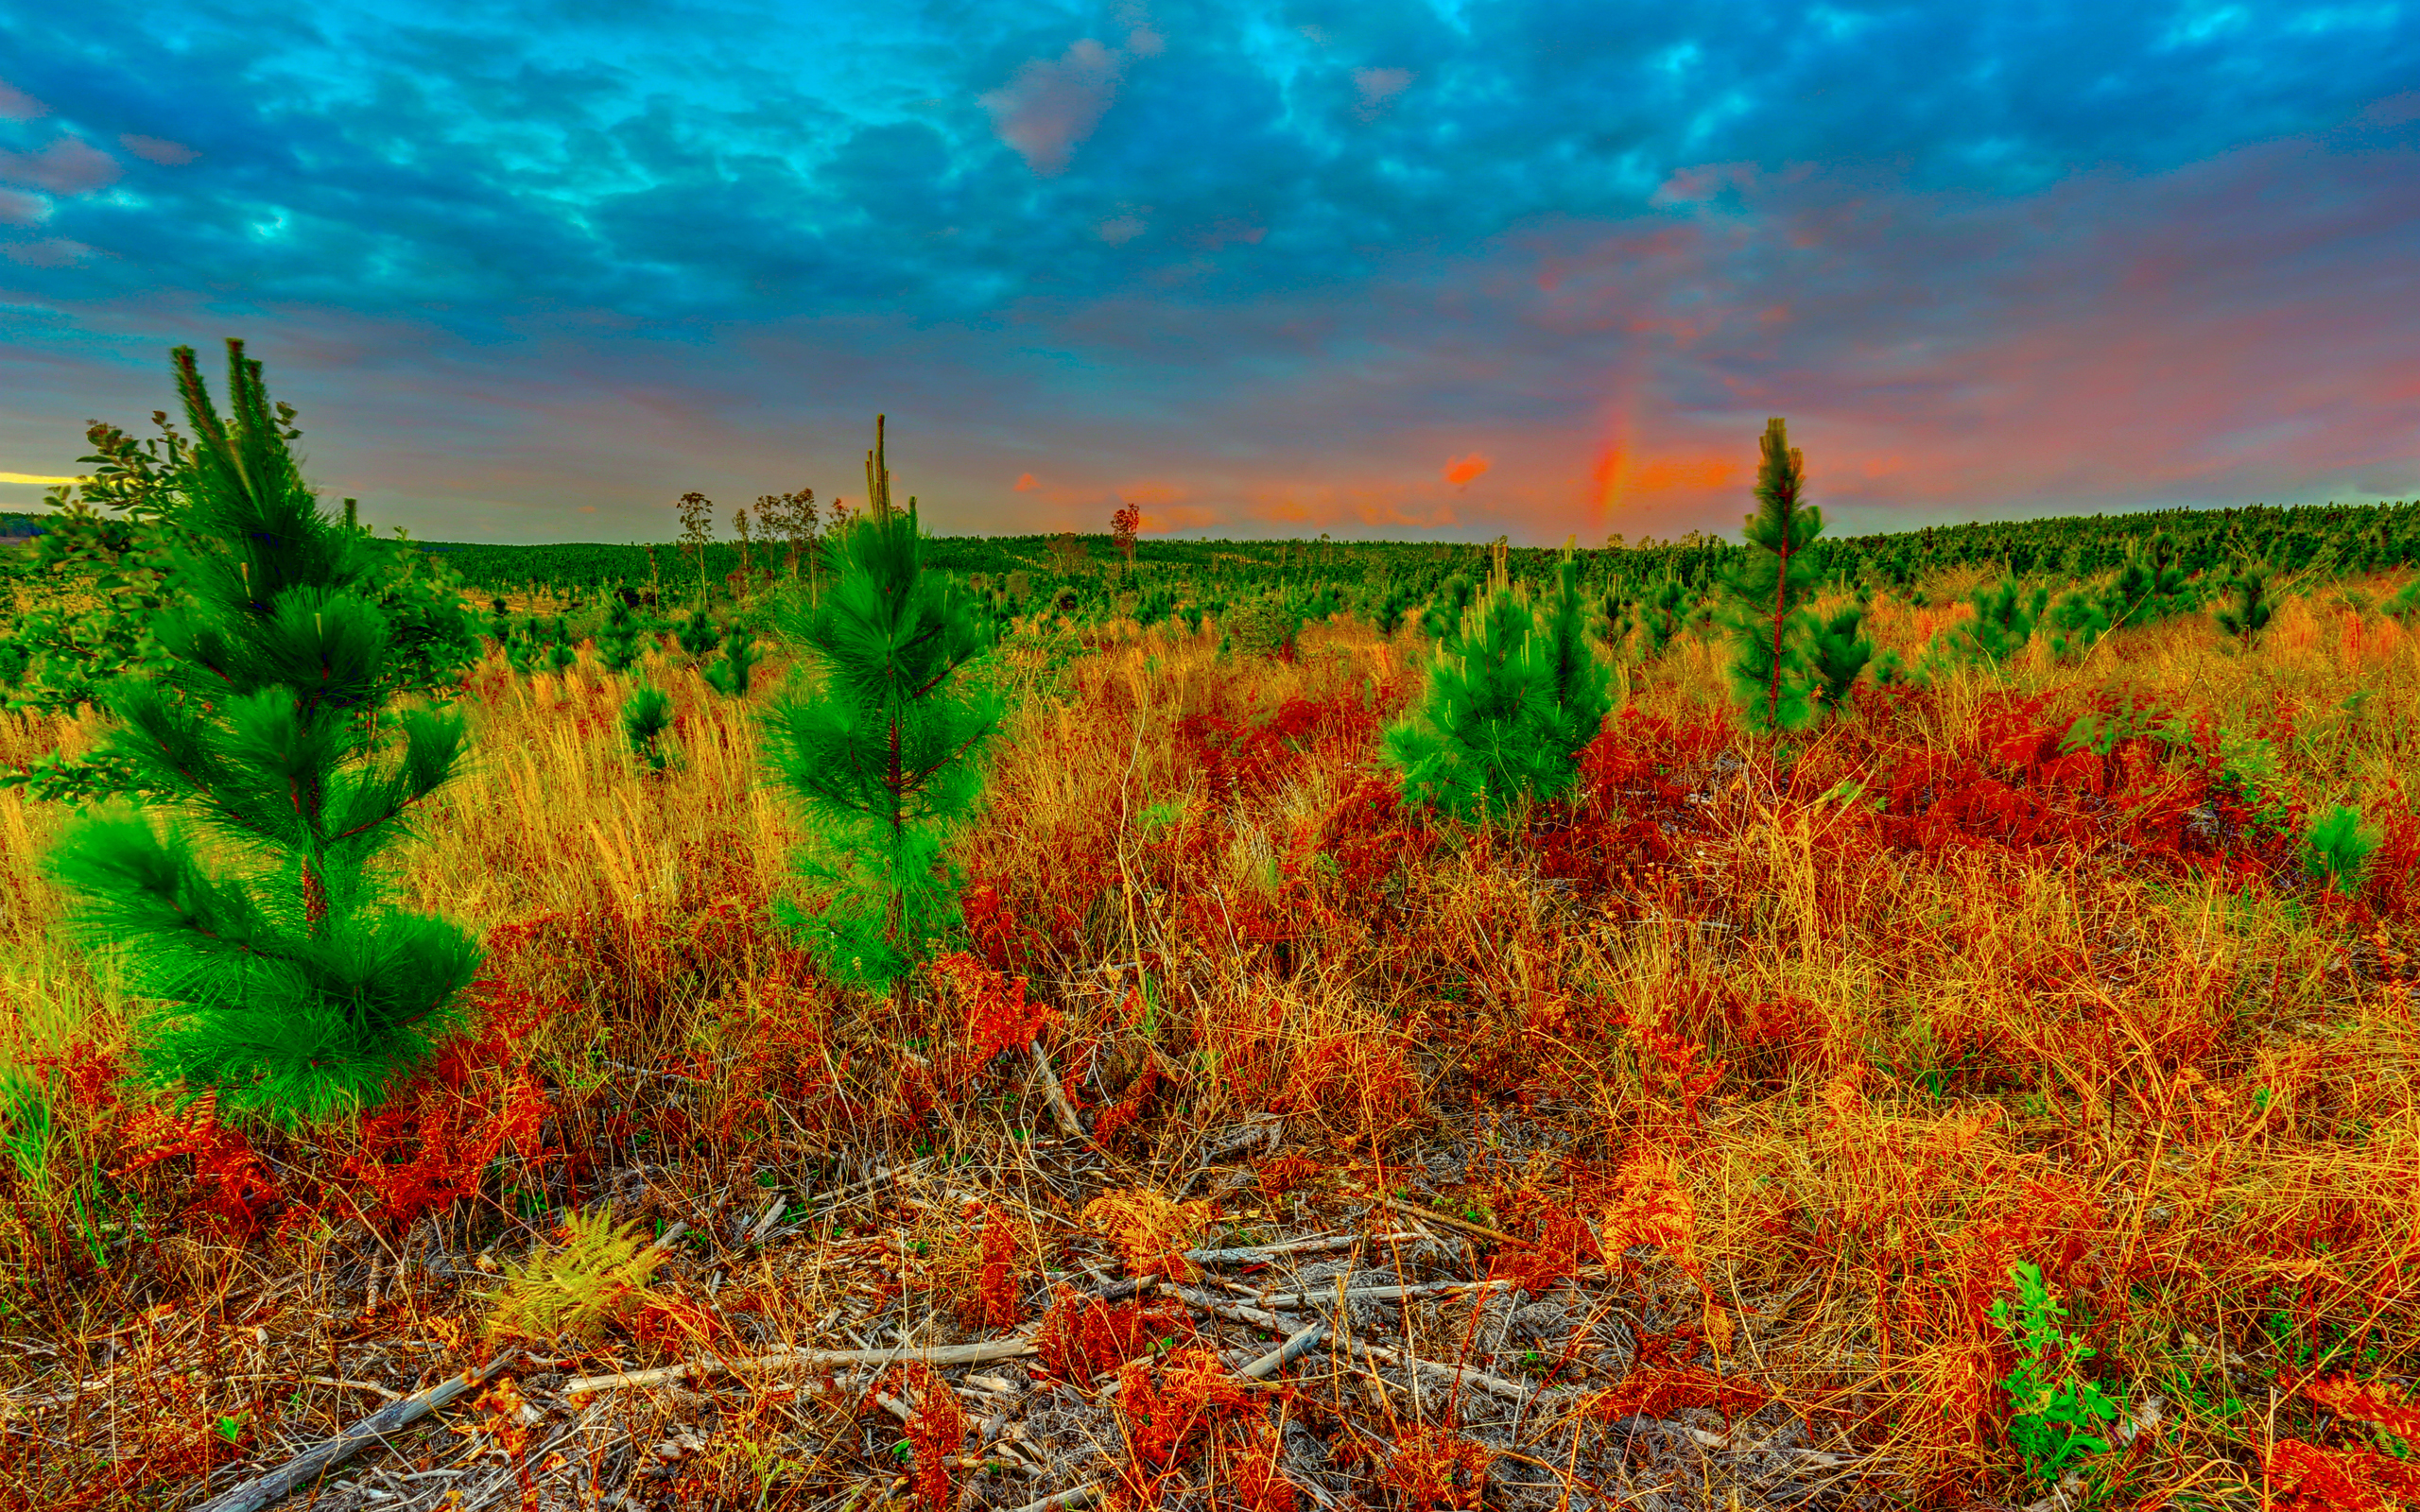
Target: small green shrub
2052,1408
2336,848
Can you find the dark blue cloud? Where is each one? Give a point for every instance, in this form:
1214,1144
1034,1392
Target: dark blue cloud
1344,229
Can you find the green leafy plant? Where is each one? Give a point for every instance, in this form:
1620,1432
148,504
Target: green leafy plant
881,742
618,642
1769,677
598,1273
2053,1410
247,909
2336,848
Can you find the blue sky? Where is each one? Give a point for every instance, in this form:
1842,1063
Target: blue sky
530,271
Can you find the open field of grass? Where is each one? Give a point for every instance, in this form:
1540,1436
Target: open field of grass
1671,1146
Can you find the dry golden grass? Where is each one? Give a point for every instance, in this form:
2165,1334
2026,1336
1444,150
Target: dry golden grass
1788,1082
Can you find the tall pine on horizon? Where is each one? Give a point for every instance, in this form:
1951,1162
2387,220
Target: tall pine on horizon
881,745
245,909
1770,677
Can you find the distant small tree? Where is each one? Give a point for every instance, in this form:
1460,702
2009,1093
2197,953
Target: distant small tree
1067,554
1124,527
255,919
740,527
697,533
883,747
1769,591
2246,612
792,518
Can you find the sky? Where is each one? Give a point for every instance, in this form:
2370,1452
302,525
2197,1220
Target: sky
1431,269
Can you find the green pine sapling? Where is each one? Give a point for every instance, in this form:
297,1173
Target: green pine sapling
1769,591
881,743
617,643
254,920
1839,653
2248,613
647,714
2002,626
698,636
732,674
2336,848
1514,694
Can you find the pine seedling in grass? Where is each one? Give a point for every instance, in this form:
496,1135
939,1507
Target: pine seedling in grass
1769,623
2336,848
617,643
2074,623
1513,697
2246,612
647,714
732,674
697,635
882,745
2002,626
247,909
1840,653
1445,616
1661,615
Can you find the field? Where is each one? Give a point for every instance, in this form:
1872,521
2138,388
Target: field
1678,1143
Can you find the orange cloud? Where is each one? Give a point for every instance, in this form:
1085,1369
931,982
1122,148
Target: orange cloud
1389,503
1027,483
1460,470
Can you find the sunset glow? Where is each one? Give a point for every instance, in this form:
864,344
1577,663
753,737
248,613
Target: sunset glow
1374,270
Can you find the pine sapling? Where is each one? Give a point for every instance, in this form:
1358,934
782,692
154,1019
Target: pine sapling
1840,653
697,635
881,742
2247,612
646,715
255,920
1515,693
617,643
1769,591
732,674
2337,849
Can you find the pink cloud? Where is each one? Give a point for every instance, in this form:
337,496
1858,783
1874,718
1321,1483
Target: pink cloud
1027,483
21,209
1460,470
1052,104
1377,86
16,105
158,149
69,165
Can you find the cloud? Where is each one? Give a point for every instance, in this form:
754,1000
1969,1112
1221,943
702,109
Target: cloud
1025,483
1052,104
1379,85
1461,470
16,105
69,165
157,150
22,209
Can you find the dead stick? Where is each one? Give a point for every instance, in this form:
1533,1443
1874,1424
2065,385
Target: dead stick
308,1464
1450,1221
809,1359
1061,1112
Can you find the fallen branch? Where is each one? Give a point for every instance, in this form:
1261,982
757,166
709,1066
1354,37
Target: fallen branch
1449,1221
1061,1112
809,1360
261,1491
1254,1254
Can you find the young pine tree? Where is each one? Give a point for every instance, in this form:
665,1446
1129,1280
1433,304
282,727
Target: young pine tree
247,909
1839,653
882,746
1769,591
732,675
1514,696
2247,611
